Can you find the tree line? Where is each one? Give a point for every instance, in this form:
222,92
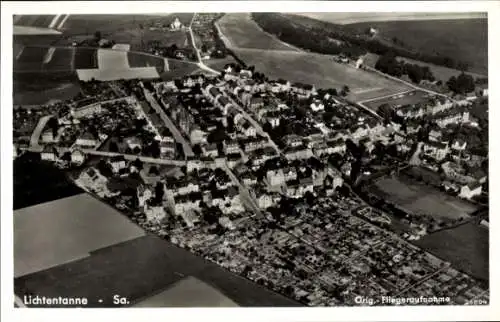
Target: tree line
320,40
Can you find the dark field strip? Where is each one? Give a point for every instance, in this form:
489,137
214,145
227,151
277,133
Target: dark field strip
38,182
86,58
35,20
138,269
140,60
61,59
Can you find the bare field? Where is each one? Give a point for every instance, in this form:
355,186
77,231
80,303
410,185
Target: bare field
188,292
465,246
138,269
57,232
320,71
138,39
422,199
242,32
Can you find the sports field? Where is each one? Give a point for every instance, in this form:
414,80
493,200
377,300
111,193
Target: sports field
466,247
395,101
240,31
60,231
421,199
320,71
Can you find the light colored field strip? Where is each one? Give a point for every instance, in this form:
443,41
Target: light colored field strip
63,22
54,21
385,96
20,53
48,55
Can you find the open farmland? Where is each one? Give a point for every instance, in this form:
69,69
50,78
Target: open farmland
69,232
465,246
188,292
140,60
421,199
139,39
320,71
240,31
86,58
138,269
178,68
395,101
463,39
34,20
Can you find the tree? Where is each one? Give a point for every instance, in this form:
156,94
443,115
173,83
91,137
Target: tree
97,35
113,146
197,150
462,84
159,192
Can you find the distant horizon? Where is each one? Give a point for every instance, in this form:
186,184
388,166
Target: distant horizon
358,17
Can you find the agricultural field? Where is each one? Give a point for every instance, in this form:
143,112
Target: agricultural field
38,59
86,58
395,101
138,269
139,39
320,71
188,292
48,87
69,231
462,39
140,60
34,20
421,199
178,68
240,31
219,63
465,246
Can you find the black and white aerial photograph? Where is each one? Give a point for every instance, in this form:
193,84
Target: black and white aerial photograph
218,159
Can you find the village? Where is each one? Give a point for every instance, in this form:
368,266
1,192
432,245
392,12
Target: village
261,176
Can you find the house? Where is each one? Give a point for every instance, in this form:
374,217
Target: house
256,102
226,223
266,200
317,106
301,89
470,190
459,145
49,153
155,213
248,179
117,163
260,156
253,143
77,156
230,147
440,104
94,181
359,132
48,136
182,187
244,126
297,153
292,140
289,173
298,188
435,135
167,148
190,217
210,150
280,85
133,142
436,150
275,177
87,140
198,136
223,103
184,203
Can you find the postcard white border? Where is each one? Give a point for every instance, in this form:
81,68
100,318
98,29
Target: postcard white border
449,313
